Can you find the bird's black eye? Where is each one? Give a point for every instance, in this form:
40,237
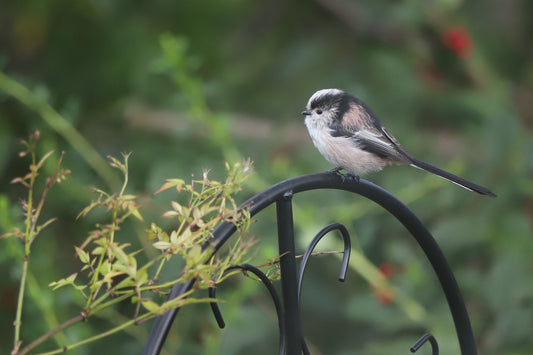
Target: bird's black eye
318,111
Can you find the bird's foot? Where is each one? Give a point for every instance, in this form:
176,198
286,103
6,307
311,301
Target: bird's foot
337,171
354,177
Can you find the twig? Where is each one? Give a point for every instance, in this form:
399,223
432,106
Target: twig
300,256
45,336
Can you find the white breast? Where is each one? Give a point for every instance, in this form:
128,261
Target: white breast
341,151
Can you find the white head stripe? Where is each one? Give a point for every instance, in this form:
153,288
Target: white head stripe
323,92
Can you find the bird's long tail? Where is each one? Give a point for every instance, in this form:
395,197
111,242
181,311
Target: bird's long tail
451,177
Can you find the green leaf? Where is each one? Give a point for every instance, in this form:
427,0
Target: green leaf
63,282
161,245
98,250
142,277
152,307
178,183
82,255
119,253
135,211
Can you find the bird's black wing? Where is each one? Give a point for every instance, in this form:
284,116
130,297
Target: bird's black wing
370,139
361,125
373,141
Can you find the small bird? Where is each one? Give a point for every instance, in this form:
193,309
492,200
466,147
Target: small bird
349,135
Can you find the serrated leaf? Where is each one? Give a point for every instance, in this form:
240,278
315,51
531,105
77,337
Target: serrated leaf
57,284
82,255
135,211
119,253
72,277
63,282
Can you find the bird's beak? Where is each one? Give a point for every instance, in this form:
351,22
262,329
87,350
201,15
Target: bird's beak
306,113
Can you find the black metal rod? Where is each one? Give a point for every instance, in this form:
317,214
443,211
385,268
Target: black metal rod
287,262
273,294
307,255
318,237
364,188
423,340
163,323
215,309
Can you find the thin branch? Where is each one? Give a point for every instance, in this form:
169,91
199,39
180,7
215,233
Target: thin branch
300,256
51,333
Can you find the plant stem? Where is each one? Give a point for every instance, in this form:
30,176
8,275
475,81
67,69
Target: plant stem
95,308
43,337
96,337
92,294
45,306
20,301
103,297
28,237
70,322
94,289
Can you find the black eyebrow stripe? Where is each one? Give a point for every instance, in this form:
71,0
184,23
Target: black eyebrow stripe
326,100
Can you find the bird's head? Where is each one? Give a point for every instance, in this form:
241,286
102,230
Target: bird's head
335,108
327,105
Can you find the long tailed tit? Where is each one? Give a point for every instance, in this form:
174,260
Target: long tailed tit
349,135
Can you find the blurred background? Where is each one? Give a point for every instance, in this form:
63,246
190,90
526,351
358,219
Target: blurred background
188,85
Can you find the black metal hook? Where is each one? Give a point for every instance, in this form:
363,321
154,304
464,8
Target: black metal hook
314,242
215,309
423,340
309,251
275,298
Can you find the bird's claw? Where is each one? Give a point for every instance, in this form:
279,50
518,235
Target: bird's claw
337,171
354,177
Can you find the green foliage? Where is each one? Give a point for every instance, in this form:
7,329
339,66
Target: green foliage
114,273
32,208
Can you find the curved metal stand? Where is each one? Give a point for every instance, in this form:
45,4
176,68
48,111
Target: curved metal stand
281,194
423,340
277,302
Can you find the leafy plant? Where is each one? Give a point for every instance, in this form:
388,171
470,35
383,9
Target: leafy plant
32,208
113,272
